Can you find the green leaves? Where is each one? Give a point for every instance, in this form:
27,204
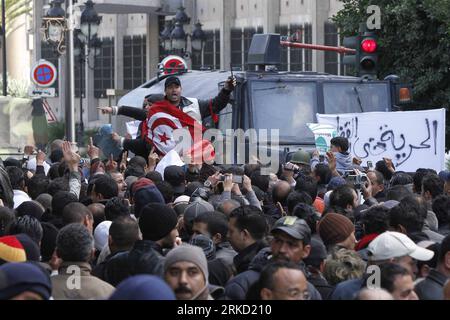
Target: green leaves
414,43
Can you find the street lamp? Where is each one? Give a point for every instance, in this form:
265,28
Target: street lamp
90,22
198,38
174,39
181,16
54,25
85,42
165,36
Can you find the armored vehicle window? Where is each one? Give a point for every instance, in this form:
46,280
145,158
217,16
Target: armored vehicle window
355,97
286,106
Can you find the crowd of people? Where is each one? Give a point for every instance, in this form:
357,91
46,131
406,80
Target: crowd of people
121,230
321,228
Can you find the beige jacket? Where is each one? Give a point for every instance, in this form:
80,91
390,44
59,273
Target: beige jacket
74,282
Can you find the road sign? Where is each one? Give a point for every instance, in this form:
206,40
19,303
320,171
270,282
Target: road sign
44,73
41,92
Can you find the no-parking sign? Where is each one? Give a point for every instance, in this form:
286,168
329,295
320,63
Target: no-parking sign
44,74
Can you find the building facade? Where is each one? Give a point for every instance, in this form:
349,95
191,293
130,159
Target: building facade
131,50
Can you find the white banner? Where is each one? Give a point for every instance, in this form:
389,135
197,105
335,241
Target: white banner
412,140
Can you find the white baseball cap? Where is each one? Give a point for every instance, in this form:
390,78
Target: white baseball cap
391,245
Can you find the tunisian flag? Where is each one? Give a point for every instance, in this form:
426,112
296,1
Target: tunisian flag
163,118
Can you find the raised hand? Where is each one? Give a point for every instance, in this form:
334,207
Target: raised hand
105,110
71,158
111,165
93,152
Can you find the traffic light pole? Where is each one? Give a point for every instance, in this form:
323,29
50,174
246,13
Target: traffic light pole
340,50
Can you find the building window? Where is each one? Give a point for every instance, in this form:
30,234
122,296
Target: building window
295,59
104,69
241,40
49,53
333,60
211,53
134,61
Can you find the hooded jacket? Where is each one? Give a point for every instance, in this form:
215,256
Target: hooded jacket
344,161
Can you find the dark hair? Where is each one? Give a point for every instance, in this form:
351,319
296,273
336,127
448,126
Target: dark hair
37,185
266,278
307,213
192,187
116,207
28,225
75,212
53,172
60,200
135,171
138,161
340,142
342,196
250,218
398,193
166,190
296,198
6,217
433,184
16,177
262,182
56,185
410,213
155,176
106,186
216,222
444,248
323,172
280,192
56,156
381,166
74,243
124,232
389,273
376,220
48,243
441,207
418,178
401,178
307,184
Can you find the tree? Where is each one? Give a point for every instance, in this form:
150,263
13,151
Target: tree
414,44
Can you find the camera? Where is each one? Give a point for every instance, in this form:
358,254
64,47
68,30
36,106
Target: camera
358,180
291,167
236,179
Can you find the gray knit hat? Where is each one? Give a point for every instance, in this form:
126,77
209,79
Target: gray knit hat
187,252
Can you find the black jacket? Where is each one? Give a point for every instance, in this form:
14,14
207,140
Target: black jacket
243,259
432,287
141,147
142,259
238,287
6,191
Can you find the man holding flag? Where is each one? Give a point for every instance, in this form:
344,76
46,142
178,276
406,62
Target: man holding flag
177,112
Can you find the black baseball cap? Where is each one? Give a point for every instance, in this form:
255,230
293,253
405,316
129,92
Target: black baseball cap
176,177
294,227
172,80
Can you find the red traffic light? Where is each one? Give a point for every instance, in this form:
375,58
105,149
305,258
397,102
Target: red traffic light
369,45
